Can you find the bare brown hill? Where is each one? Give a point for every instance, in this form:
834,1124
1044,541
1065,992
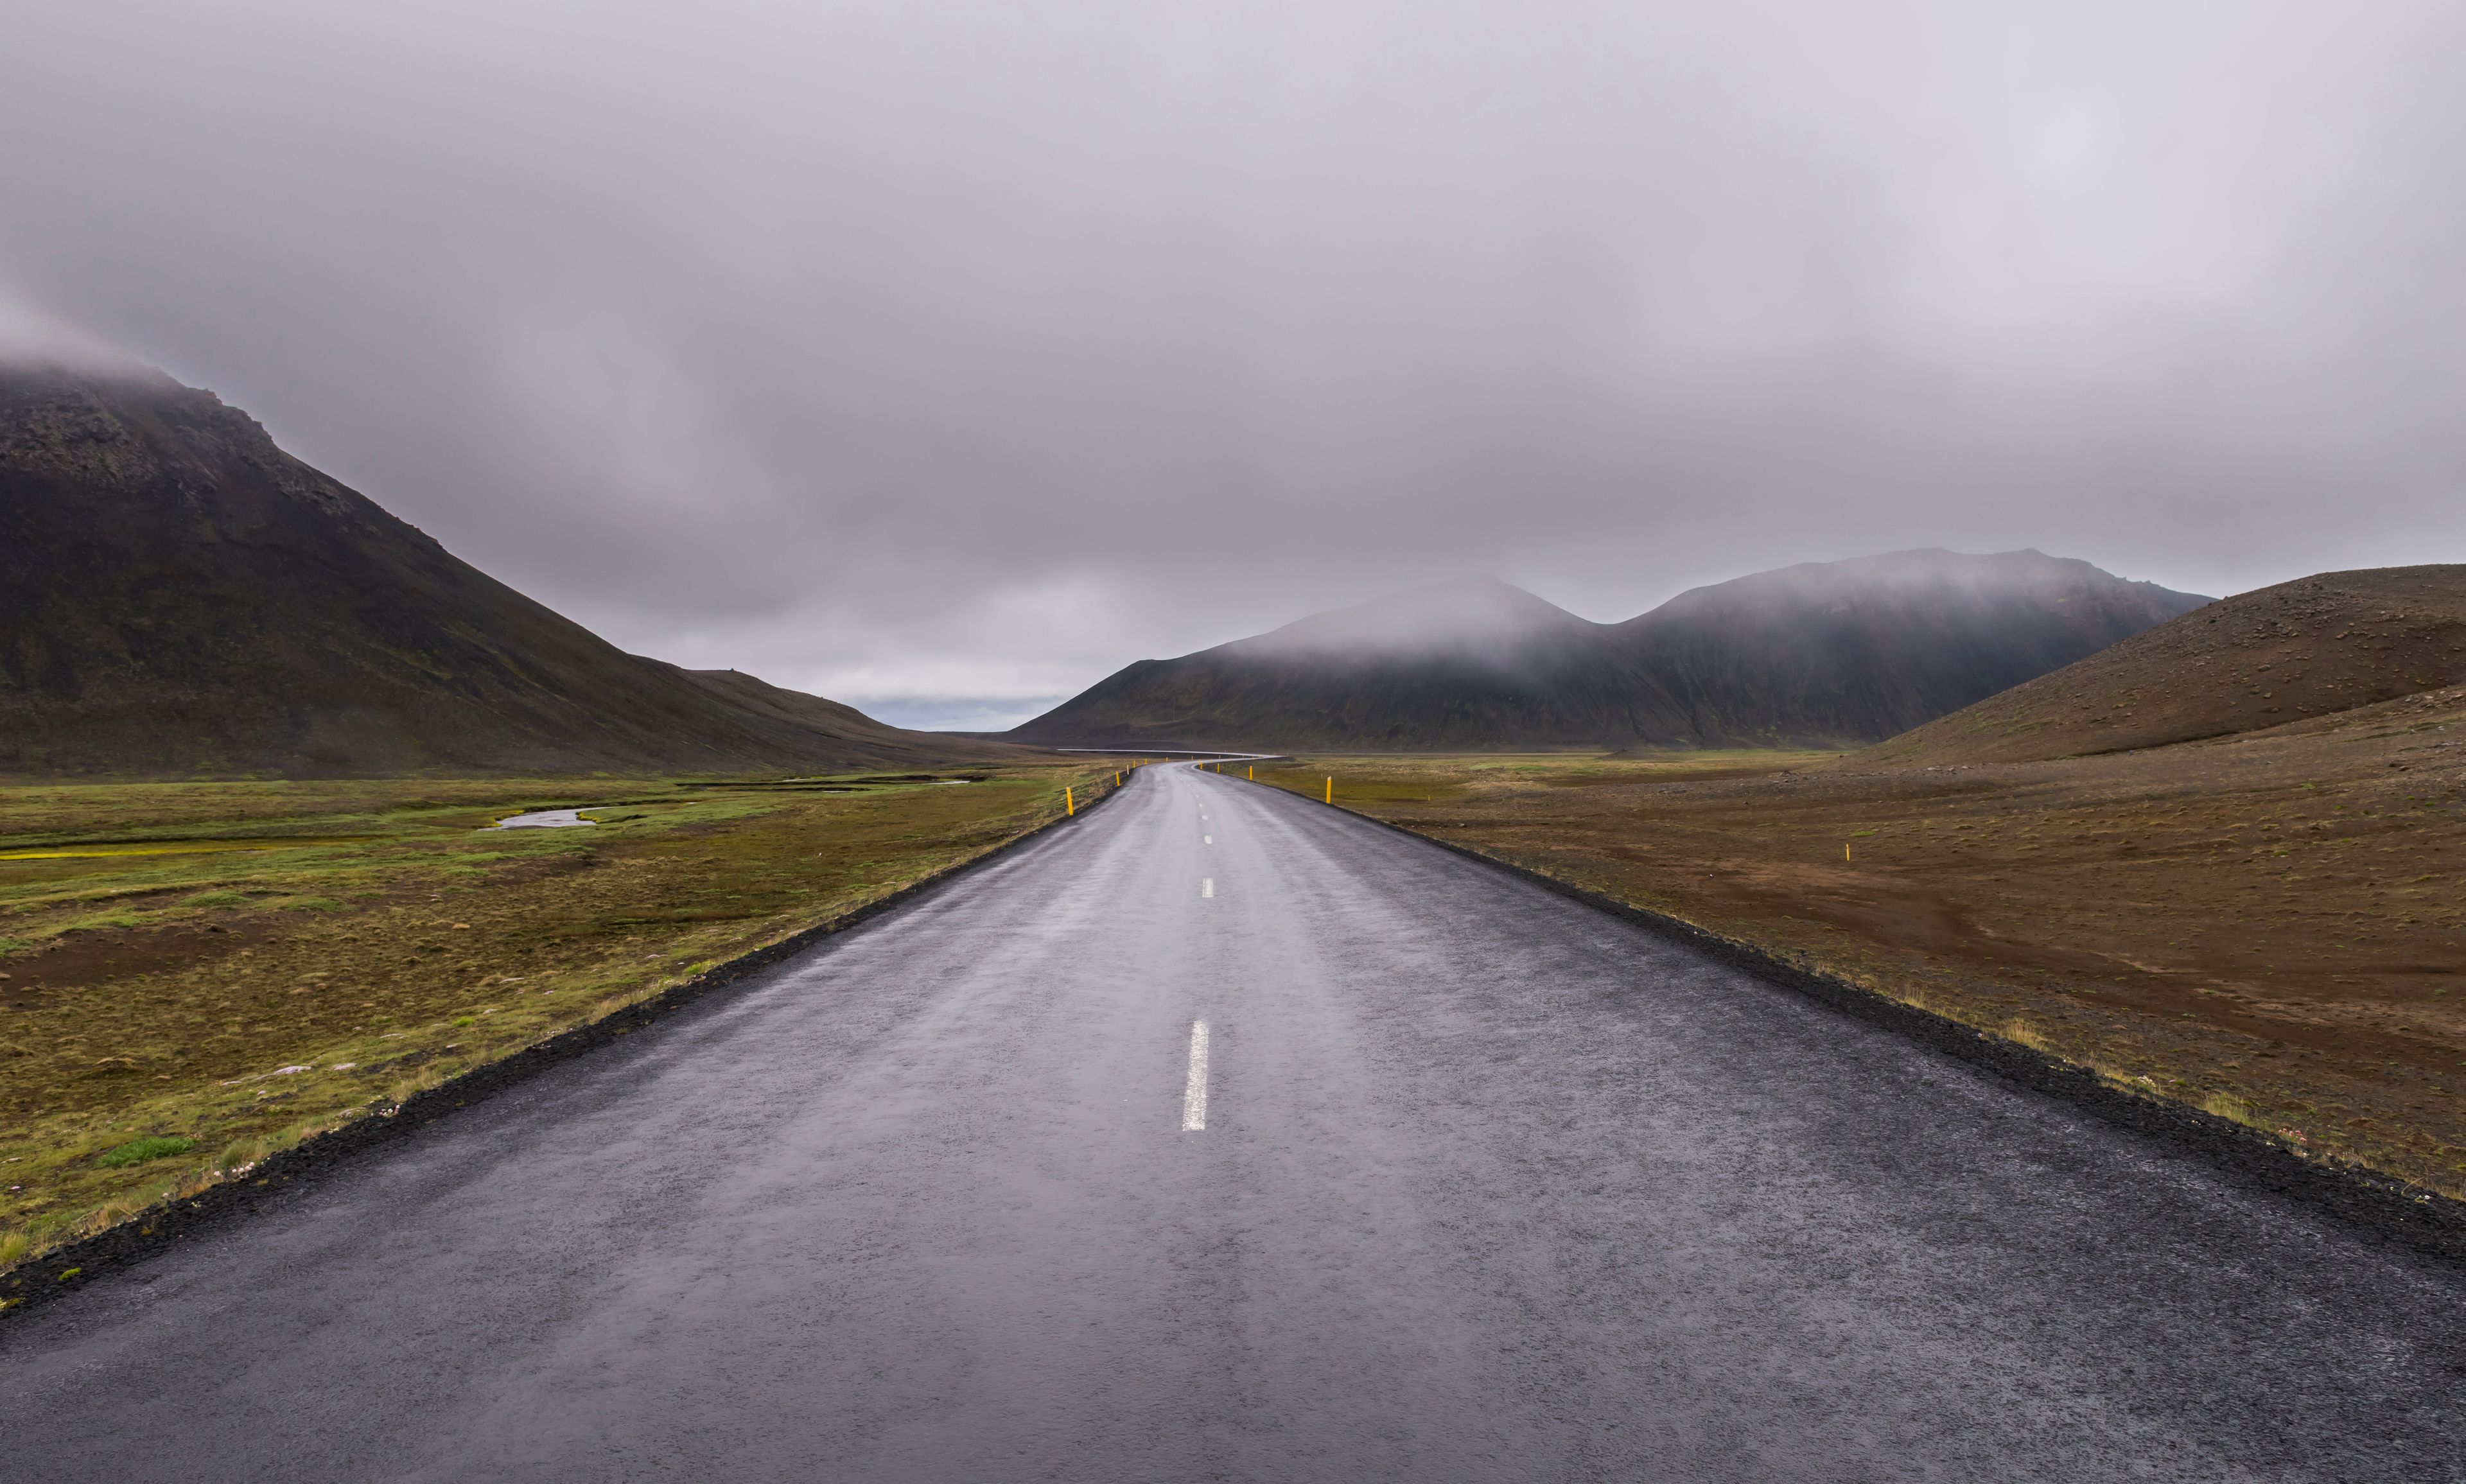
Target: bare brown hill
2306,649
180,597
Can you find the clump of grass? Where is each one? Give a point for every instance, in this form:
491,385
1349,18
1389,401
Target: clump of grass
217,899
2022,1033
241,1155
100,921
311,903
462,1021
2228,1106
109,1214
137,1150
405,1087
13,1247
195,1182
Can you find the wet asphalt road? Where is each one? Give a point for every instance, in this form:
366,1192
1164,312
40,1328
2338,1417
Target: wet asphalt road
1491,1186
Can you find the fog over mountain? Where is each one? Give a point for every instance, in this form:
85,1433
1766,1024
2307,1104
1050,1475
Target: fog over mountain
947,358
1479,622
1832,654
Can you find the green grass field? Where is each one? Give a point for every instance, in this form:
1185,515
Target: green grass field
196,974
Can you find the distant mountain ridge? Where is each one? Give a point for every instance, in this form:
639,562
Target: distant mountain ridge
1475,620
1833,654
1849,652
179,596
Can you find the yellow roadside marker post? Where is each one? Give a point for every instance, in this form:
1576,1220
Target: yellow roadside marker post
1845,852
1254,772
1331,791
1067,807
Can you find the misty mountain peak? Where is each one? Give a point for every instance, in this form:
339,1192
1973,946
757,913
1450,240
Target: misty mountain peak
1931,575
1824,654
122,427
1470,617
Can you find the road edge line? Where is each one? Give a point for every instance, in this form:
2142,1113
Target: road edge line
129,1243
2381,1204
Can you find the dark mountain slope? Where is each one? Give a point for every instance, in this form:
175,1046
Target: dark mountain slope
1824,655
1469,664
178,596
2310,647
1844,653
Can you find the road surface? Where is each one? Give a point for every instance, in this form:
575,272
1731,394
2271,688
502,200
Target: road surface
1473,1183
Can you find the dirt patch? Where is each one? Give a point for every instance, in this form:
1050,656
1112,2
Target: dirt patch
76,960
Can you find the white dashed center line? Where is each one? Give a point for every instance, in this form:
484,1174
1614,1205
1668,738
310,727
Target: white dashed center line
1193,1092
1207,839
1207,886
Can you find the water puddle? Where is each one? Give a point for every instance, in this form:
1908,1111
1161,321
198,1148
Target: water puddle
544,819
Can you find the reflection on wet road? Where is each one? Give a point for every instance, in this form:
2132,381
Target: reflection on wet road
1279,1148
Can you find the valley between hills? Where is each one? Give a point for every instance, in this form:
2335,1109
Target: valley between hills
252,726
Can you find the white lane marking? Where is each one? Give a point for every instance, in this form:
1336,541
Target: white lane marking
1207,839
1207,886
1193,1092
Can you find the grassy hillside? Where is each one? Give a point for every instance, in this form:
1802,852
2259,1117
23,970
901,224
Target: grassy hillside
180,597
1830,655
2307,649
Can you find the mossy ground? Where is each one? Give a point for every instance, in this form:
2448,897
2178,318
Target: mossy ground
2269,927
239,965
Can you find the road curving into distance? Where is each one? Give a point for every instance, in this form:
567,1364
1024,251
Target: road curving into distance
1458,1180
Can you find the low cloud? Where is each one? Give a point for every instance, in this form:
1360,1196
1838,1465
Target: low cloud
951,359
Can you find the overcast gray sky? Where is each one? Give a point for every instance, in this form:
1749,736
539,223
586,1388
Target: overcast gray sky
944,357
